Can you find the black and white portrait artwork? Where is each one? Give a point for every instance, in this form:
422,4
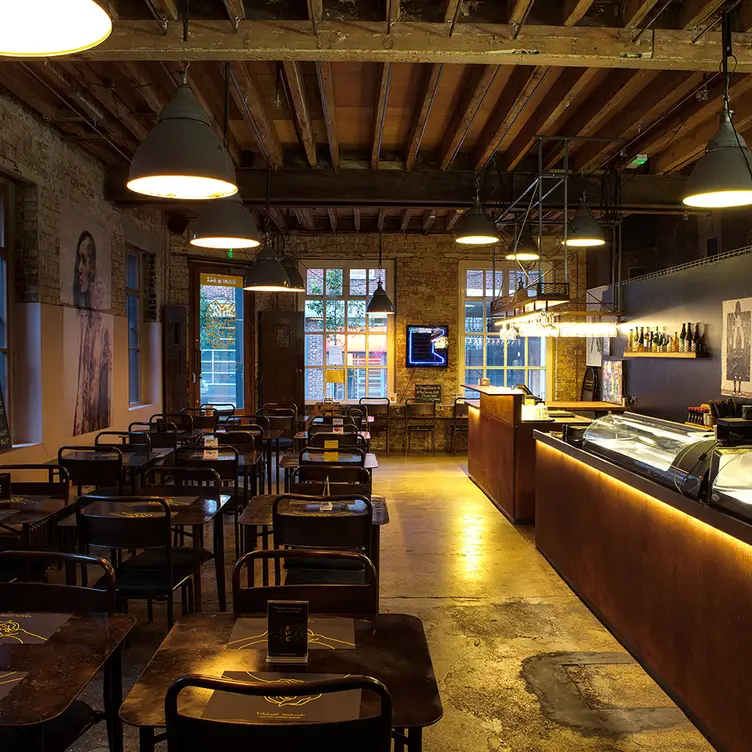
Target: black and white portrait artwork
736,375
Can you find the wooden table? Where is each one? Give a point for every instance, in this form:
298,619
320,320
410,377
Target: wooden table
392,648
29,511
60,668
196,515
258,514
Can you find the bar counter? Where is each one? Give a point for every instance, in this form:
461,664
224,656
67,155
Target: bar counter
669,576
501,449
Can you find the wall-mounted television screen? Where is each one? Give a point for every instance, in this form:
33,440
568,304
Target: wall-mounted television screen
427,346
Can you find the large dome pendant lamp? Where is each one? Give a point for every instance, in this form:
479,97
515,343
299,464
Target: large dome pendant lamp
380,302
722,177
182,157
585,231
525,248
226,224
476,227
46,28
266,273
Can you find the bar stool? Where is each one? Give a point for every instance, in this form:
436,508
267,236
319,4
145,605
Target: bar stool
420,413
459,422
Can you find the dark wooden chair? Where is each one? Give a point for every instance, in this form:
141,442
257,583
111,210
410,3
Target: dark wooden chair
205,418
309,455
283,419
85,469
196,734
138,442
321,424
163,433
122,525
359,600
344,440
183,421
420,417
459,423
224,409
26,593
380,410
311,480
248,439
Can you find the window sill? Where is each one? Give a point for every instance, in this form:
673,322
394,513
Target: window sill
139,406
26,445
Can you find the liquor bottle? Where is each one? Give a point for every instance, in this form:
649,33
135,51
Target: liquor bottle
696,340
683,339
641,340
690,343
630,344
656,340
675,343
649,343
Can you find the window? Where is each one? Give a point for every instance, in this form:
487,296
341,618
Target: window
505,363
5,213
347,353
133,301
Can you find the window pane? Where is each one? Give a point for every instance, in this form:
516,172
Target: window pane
378,382
356,315
536,351
377,322
333,282
536,382
377,345
335,391
335,350
356,383
474,312
357,281
474,283
496,376
495,352
314,349
472,376
315,282
515,377
314,389
4,375
374,275
335,315
131,272
356,350
492,291
474,352
314,315
134,376
133,321
516,352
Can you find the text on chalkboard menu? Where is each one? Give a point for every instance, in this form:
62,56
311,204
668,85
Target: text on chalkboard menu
428,392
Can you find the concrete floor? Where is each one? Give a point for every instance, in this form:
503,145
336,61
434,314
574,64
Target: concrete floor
522,665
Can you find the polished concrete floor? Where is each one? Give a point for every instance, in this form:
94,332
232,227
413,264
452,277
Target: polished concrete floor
522,665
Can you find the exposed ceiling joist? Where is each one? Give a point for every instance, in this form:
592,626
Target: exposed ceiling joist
451,9
574,10
426,103
326,88
278,217
166,8
295,87
381,219
744,16
635,12
356,218
695,13
405,222
306,218
410,41
429,217
332,213
379,119
393,9
452,218
235,10
518,12
148,89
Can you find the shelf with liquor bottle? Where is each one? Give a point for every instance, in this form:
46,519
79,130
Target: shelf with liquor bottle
647,342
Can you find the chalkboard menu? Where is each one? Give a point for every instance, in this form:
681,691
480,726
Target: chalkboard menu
428,392
5,442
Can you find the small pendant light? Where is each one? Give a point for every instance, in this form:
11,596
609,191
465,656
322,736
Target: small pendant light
45,28
525,248
380,302
722,177
476,227
181,157
585,231
290,265
226,223
266,273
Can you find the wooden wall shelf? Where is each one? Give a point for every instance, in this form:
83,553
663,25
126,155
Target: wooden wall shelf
684,355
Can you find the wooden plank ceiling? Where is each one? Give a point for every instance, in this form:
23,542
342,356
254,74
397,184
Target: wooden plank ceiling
335,117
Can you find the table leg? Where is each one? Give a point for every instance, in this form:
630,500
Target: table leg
399,740
415,739
113,699
219,560
198,545
376,549
269,465
146,739
276,448
265,547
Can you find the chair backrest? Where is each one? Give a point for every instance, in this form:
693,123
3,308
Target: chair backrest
311,480
245,436
126,441
460,408
377,407
172,480
419,409
298,522
184,421
196,734
261,420
327,424
56,483
280,419
23,594
282,406
343,440
226,466
163,434
224,409
203,417
318,455
87,466
358,600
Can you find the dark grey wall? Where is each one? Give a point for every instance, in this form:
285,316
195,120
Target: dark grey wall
665,388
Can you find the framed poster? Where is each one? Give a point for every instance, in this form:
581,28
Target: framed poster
736,352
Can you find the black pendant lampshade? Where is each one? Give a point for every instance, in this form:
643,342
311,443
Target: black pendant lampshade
526,248
290,265
266,274
380,302
477,228
585,231
225,223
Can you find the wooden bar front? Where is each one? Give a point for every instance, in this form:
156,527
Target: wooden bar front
670,577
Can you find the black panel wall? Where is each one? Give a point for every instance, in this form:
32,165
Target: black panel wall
665,388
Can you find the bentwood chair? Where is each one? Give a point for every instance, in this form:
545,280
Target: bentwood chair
204,418
89,466
313,480
162,434
327,425
138,442
379,409
248,439
190,733
420,417
360,600
224,409
317,455
459,423
183,421
28,594
337,440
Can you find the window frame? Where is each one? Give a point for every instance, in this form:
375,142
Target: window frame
346,266
137,293
506,270
6,241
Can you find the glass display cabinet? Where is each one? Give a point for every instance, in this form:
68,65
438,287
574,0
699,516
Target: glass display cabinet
731,480
669,453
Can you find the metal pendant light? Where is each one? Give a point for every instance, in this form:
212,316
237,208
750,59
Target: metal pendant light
380,302
525,248
585,231
290,265
266,273
182,158
45,28
476,227
722,177
226,223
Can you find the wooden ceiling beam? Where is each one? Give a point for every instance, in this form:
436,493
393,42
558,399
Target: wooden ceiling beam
379,119
635,12
144,83
393,9
426,103
520,88
356,218
405,221
464,115
235,10
295,87
452,218
166,8
451,8
326,89
744,16
429,217
278,217
518,12
413,41
551,112
254,110
695,13
332,219
574,10
381,219
305,218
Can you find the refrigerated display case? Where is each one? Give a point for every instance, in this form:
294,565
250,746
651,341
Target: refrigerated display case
731,480
669,453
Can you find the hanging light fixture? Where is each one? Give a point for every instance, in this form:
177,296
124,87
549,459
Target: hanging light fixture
266,273
290,265
722,177
585,231
226,223
182,158
476,227
45,28
380,302
525,248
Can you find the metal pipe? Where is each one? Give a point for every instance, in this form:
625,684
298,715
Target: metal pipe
541,198
566,207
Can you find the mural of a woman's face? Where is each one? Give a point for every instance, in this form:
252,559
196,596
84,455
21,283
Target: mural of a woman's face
85,271
85,265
